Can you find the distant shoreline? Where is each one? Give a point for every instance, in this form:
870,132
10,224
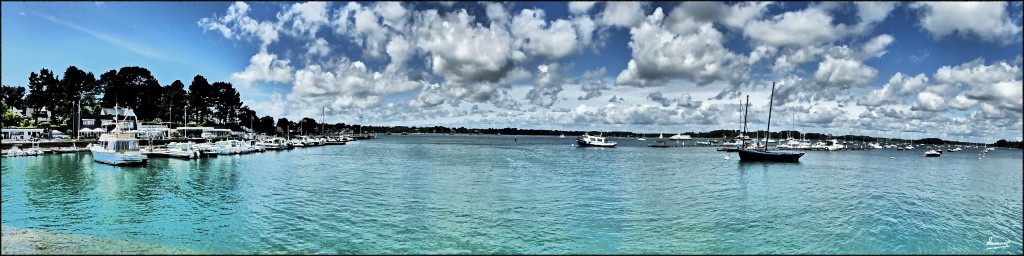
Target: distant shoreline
34,241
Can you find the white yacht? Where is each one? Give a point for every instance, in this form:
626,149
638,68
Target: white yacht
680,137
594,141
183,150
117,148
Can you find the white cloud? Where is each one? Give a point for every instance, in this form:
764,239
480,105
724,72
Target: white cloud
843,72
578,8
813,26
318,48
538,38
871,14
876,47
987,20
623,14
593,83
929,101
400,52
266,67
660,55
547,85
346,85
585,29
893,92
306,18
236,24
462,52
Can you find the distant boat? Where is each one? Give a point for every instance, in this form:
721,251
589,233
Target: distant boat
659,144
765,155
932,153
680,137
642,137
561,136
594,141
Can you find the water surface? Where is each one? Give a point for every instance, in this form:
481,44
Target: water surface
528,194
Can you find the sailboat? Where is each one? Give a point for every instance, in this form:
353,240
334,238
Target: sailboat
642,137
765,155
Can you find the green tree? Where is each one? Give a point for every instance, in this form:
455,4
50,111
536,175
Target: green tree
265,125
284,124
309,126
173,101
226,102
40,89
13,96
75,84
132,87
199,104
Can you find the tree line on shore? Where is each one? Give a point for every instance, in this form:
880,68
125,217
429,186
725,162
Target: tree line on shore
202,103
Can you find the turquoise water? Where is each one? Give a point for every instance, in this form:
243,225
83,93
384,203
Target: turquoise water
490,194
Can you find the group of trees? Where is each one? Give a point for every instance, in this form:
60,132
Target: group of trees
129,87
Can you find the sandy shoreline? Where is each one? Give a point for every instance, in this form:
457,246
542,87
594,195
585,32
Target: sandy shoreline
32,241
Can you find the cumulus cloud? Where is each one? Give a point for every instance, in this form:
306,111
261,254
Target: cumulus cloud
538,38
547,85
318,48
870,14
893,92
264,67
237,24
346,84
929,101
462,52
660,55
593,83
684,101
876,47
988,21
622,14
998,85
843,73
305,18
813,25
580,8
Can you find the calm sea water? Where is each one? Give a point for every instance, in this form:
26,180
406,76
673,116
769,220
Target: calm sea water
491,194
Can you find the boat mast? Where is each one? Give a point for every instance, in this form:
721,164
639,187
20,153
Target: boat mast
745,108
768,132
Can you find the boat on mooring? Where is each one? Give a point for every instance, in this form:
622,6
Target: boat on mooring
763,154
932,153
117,148
594,141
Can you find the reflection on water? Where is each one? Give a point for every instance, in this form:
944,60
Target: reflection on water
492,194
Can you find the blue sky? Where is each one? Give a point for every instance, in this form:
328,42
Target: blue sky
915,70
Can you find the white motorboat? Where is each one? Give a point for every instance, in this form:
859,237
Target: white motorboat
932,153
183,150
15,151
594,141
117,148
680,137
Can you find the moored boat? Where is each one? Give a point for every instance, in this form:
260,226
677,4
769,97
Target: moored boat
747,154
594,141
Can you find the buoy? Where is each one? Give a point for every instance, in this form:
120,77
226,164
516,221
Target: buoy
892,157
726,157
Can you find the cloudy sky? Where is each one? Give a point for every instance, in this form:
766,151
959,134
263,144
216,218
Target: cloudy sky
911,70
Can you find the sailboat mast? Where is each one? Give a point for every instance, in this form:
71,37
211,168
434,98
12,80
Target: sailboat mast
771,100
745,108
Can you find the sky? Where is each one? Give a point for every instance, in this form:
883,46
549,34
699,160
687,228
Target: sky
910,70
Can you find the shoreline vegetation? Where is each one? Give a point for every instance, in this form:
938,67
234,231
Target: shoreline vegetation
217,104
35,241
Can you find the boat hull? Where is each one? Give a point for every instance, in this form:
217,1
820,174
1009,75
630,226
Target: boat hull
754,155
115,158
586,144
